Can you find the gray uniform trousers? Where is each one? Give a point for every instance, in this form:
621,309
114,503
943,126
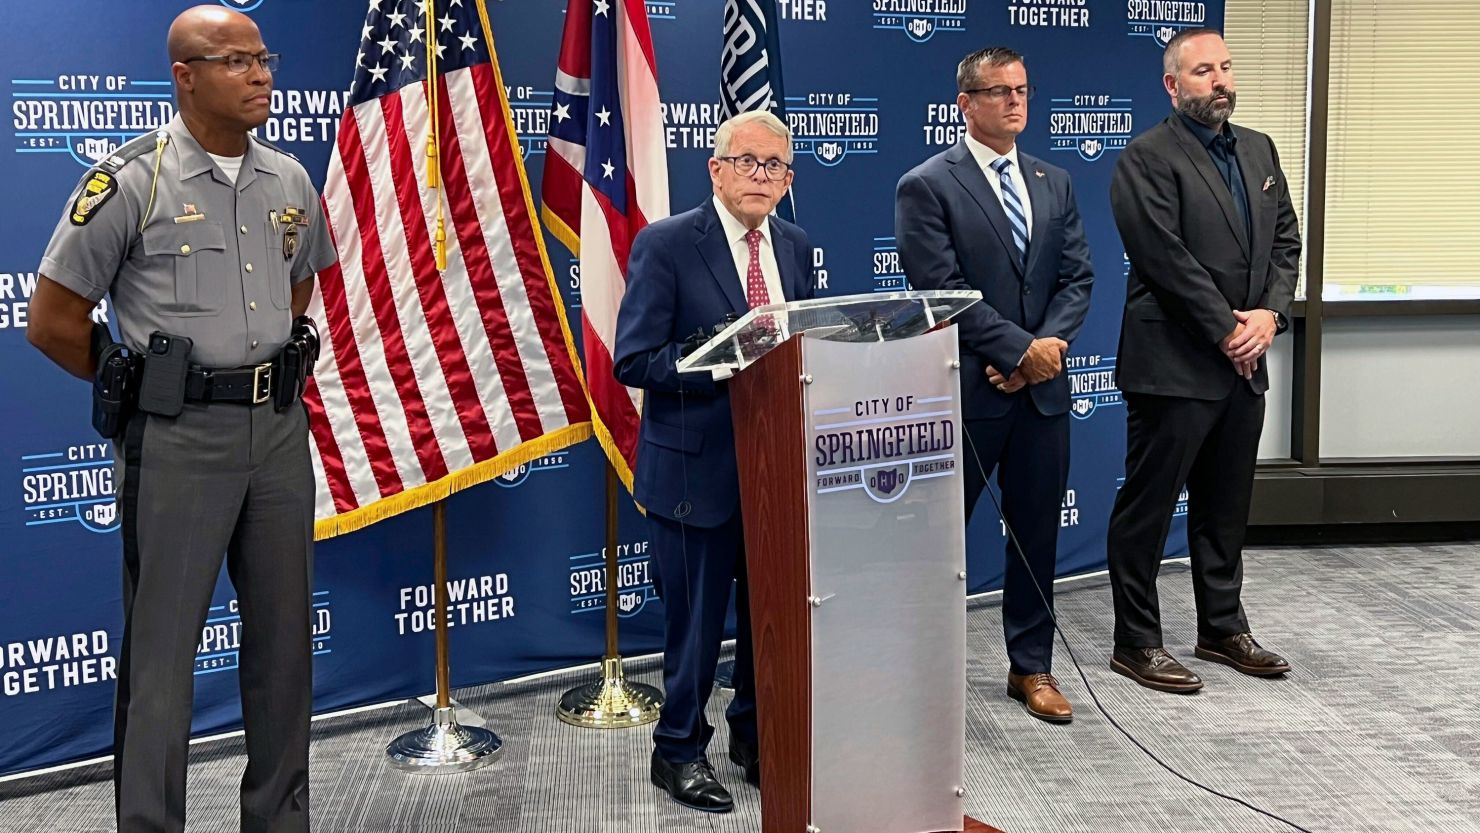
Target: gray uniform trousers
219,479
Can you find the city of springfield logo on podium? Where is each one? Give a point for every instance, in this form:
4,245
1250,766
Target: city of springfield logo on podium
883,445
1090,124
242,5
831,126
920,19
1161,20
74,485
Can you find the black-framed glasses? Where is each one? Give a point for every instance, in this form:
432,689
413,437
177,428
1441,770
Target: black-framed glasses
1001,91
239,62
746,164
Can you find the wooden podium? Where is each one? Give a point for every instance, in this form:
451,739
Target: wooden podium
847,427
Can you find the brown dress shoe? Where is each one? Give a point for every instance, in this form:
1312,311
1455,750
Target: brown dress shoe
1154,668
1039,694
1242,653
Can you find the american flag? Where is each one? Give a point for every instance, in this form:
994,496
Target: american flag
430,382
606,177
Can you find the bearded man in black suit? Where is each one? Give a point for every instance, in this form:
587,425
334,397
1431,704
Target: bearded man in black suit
1204,212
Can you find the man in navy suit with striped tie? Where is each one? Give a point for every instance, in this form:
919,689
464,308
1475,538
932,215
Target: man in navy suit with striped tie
686,274
985,216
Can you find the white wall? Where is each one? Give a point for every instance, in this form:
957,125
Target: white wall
1274,443
1400,387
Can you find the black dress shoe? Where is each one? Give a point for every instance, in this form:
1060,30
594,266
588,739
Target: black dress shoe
1242,653
692,784
747,756
1154,668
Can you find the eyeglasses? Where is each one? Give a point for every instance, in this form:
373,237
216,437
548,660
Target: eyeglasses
1002,91
745,166
238,63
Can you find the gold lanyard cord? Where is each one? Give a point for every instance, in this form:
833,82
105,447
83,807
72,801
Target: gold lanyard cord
160,141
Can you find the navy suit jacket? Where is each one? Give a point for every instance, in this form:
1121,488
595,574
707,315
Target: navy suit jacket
681,278
952,233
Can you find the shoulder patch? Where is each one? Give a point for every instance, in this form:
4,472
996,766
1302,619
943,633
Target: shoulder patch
99,188
259,140
131,150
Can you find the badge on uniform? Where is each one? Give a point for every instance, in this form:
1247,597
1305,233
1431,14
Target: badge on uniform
291,219
98,189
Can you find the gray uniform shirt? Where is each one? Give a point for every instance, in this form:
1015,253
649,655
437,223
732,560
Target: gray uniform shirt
210,263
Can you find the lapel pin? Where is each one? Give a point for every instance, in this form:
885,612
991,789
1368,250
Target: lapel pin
1268,181
1038,173
191,214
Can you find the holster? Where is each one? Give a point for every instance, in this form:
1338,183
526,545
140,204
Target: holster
115,389
294,363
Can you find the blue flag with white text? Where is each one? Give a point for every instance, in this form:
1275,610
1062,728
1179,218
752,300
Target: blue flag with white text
750,68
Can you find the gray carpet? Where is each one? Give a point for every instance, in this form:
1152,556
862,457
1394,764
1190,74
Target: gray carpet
1376,730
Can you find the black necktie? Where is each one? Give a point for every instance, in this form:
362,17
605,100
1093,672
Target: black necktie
1228,167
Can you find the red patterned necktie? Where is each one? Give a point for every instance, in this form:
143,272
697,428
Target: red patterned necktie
755,282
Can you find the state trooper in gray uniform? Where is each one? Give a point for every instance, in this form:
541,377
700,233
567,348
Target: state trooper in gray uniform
207,237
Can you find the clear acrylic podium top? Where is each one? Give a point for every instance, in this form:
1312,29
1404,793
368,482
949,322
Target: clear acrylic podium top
874,316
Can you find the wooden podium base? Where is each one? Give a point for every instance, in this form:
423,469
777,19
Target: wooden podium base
974,826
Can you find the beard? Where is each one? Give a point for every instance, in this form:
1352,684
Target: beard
1208,109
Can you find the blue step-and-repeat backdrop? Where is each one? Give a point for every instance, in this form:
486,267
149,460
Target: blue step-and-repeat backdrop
870,93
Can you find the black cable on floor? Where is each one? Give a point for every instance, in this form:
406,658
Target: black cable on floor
1085,679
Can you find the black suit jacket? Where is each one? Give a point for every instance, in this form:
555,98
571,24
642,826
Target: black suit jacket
1193,260
952,233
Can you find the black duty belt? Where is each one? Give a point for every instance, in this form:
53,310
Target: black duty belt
254,385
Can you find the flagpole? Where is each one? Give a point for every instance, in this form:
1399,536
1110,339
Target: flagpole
612,702
446,745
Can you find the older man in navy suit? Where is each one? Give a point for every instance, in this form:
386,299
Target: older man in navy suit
685,275
985,216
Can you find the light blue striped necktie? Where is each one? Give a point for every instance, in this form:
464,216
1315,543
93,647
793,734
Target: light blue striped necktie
1013,205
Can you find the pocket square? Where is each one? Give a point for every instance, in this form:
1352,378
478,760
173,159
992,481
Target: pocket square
1268,181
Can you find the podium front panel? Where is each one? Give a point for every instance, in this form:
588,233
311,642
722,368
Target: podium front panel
887,560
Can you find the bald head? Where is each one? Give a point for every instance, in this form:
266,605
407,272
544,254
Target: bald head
199,30
219,103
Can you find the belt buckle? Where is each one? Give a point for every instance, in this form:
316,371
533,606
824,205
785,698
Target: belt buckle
261,383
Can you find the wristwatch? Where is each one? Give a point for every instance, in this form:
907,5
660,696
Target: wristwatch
1279,321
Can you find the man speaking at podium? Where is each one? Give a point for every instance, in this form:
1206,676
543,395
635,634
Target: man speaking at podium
985,216
686,274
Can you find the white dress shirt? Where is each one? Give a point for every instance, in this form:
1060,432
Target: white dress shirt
984,157
740,251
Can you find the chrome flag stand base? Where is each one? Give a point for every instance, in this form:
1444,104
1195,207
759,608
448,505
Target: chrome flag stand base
444,746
